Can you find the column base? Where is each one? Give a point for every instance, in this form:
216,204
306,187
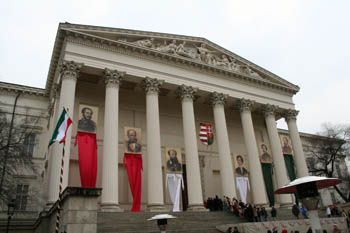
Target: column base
111,207
197,208
156,208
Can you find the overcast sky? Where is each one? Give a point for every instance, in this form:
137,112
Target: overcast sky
305,42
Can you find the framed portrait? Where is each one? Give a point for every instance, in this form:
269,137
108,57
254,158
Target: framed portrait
173,158
240,162
132,140
286,145
264,153
88,116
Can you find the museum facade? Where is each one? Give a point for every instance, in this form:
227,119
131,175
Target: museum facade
156,89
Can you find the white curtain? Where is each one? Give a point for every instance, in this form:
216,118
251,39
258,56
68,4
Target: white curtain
243,187
174,183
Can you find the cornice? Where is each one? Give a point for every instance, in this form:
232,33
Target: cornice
151,54
22,89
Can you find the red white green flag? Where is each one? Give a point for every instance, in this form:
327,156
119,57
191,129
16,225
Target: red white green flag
206,134
61,128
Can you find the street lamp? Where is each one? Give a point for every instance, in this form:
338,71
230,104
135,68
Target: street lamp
307,190
10,211
162,221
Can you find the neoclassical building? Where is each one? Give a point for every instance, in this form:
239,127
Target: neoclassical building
166,85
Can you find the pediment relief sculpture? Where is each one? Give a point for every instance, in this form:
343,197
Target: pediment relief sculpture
200,53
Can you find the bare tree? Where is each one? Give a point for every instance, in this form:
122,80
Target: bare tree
327,156
17,140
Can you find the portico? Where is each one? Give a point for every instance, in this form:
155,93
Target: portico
148,85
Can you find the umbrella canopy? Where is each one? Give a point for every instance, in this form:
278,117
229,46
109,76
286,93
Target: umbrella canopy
161,216
321,182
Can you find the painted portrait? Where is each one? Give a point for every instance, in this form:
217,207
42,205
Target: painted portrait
88,116
264,153
132,140
240,165
173,158
286,145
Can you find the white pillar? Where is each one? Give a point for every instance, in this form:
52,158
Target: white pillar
195,198
69,71
299,157
278,159
226,171
154,160
109,197
255,172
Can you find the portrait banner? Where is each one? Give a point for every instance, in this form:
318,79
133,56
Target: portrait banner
264,153
87,150
173,158
286,145
88,116
132,140
240,163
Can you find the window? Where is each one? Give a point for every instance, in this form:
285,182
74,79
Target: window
21,196
28,144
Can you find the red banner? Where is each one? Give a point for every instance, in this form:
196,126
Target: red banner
133,163
87,149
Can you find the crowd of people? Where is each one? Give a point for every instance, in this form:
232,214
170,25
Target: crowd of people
250,212
254,213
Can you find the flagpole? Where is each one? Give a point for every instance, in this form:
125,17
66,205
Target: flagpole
58,212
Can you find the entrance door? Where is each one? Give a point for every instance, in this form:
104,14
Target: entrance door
184,191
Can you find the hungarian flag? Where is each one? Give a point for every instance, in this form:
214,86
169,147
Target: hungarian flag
61,128
206,134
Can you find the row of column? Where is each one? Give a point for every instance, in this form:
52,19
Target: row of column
109,199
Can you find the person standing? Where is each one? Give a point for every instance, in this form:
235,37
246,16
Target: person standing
303,211
328,212
296,211
273,213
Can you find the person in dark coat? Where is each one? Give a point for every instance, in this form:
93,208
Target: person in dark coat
296,211
273,213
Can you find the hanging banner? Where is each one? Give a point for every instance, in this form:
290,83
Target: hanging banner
286,145
133,164
241,165
87,145
243,186
264,153
206,134
267,173
87,150
174,183
173,160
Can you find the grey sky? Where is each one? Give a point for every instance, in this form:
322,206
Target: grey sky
304,42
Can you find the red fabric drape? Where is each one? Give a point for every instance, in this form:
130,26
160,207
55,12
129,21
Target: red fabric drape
133,163
87,148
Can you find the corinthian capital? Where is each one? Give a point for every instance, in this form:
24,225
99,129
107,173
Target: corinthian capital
70,69
291,114
218,98
269,110
186,92
113,77
151,84
245,105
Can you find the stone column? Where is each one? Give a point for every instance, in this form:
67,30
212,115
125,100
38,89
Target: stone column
226,171
195,198
299,157
256,176
69,72
154,158
109,198
278,159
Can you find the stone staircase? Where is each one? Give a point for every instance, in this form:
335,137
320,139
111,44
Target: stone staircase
189,222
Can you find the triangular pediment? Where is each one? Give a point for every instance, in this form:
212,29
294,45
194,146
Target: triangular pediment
194,49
